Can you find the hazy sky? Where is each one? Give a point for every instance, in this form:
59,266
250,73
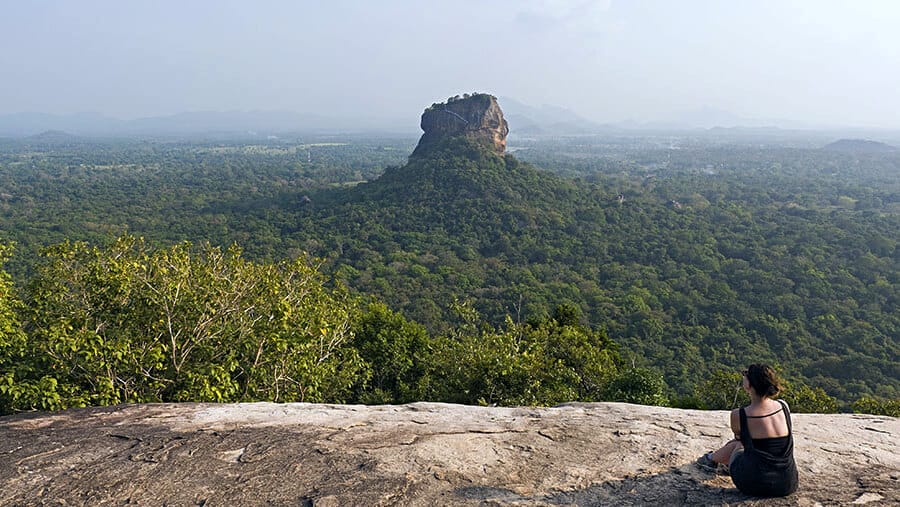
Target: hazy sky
829,62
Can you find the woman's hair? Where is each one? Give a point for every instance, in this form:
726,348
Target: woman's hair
763,380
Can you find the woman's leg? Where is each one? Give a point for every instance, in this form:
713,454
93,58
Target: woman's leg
723,455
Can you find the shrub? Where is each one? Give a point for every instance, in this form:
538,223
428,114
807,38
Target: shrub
877,406
805,399
127,323
721,391
638,385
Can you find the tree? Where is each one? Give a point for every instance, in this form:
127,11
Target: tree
638,385
543,362
805,399
392,347
721,390
127,323
877,406
590,355
12,341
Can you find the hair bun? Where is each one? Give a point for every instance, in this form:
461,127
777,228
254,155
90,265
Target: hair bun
763,379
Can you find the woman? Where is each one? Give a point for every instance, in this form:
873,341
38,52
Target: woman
761,457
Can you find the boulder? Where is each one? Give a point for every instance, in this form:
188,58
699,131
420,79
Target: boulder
420,454
477,117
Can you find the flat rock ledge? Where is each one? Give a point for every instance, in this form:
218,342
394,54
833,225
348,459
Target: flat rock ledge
420,454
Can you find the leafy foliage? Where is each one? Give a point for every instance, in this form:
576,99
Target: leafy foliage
876,406
803,398
538,363
638,385
393,347
721,391
131,324
695,260
12,340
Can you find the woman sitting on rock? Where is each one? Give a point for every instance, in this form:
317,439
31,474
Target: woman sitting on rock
761,457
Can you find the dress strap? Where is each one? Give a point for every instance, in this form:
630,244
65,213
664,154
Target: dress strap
745,432
787,416
767,415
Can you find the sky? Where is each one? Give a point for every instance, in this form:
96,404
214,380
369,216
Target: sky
823,62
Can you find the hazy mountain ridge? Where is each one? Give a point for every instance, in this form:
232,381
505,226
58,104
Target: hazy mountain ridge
859,146
260,123
524,120
547,119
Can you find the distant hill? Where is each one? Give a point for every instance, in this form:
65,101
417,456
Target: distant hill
20,125
52,139
859,146
527,120
52,135
229,121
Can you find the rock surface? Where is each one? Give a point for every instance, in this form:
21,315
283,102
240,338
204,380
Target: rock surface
477,117
419,454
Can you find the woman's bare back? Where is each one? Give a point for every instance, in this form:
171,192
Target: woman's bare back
766,420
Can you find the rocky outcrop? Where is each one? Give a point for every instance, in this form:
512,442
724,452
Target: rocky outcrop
419,454
477,117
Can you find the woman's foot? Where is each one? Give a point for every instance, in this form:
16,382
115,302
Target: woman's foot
706,463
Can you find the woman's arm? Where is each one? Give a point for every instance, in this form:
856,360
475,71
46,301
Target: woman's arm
736,423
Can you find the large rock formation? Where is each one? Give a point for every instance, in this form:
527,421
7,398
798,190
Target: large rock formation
476,117
420,454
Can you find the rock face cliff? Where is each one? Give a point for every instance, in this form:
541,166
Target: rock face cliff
420,454
477,117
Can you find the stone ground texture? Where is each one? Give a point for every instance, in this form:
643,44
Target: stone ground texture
420,454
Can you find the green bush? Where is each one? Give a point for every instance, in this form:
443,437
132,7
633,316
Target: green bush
638,385
128,323
12,342
392,348
721,391
805,399
877,406
543,362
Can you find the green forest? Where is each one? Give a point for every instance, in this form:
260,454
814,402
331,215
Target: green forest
336,270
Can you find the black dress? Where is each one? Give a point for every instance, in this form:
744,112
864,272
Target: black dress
766,466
